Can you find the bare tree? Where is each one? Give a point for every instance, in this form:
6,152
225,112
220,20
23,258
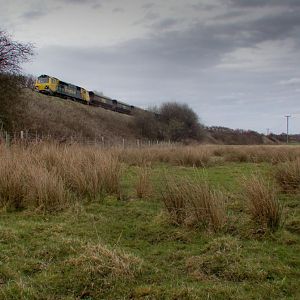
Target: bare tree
13,53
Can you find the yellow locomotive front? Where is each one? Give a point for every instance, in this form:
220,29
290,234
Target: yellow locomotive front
46,84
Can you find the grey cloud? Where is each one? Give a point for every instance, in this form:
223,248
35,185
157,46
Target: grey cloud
148,5
93,3
257,3
148,17
118,10
290,82
247,33
179,65
35,14
165,24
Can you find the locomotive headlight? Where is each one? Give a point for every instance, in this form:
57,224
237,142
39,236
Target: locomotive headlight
46,87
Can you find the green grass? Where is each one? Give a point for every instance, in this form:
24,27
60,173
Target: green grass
41,255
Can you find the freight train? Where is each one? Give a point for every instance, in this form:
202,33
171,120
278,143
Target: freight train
52,86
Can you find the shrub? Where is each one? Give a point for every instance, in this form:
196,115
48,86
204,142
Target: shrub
261,196
174,121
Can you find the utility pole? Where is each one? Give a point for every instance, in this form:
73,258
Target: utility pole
287,128
268,131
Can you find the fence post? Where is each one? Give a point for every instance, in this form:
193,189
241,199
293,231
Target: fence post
123,143
7,139
102,139
22,134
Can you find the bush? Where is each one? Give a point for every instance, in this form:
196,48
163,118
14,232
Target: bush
180,122
171,121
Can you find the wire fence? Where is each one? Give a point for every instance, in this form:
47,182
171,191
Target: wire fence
31,137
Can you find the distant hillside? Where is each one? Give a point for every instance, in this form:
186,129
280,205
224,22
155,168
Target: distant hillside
64,119
224,135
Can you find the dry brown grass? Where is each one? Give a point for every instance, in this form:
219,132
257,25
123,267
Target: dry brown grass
12,187
143,185
262,200
64,119
25,184
208,155
189,156
194,203
288,176
44,176
223,258
86,170
99,260
258,154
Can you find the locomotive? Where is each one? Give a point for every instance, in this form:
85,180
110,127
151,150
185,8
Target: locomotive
52,86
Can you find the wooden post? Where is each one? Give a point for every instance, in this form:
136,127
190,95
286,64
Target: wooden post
22,134
7,139
123,143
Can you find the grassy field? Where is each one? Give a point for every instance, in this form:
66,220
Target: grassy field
210,222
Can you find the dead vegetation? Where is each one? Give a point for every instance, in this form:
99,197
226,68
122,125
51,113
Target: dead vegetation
99,260
224,258
46,176
262,201
288,176
66,120
194,203
143,185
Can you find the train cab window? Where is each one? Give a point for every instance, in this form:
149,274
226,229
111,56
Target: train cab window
43,79
53,80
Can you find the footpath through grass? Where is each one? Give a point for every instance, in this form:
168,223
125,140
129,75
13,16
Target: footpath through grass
128,249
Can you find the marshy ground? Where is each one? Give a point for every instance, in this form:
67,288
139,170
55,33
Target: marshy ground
202,222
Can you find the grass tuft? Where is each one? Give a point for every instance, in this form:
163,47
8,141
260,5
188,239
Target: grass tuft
263,204
223,259
288,176
143,186
194,203
99,260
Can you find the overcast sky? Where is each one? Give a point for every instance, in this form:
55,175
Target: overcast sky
235,62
